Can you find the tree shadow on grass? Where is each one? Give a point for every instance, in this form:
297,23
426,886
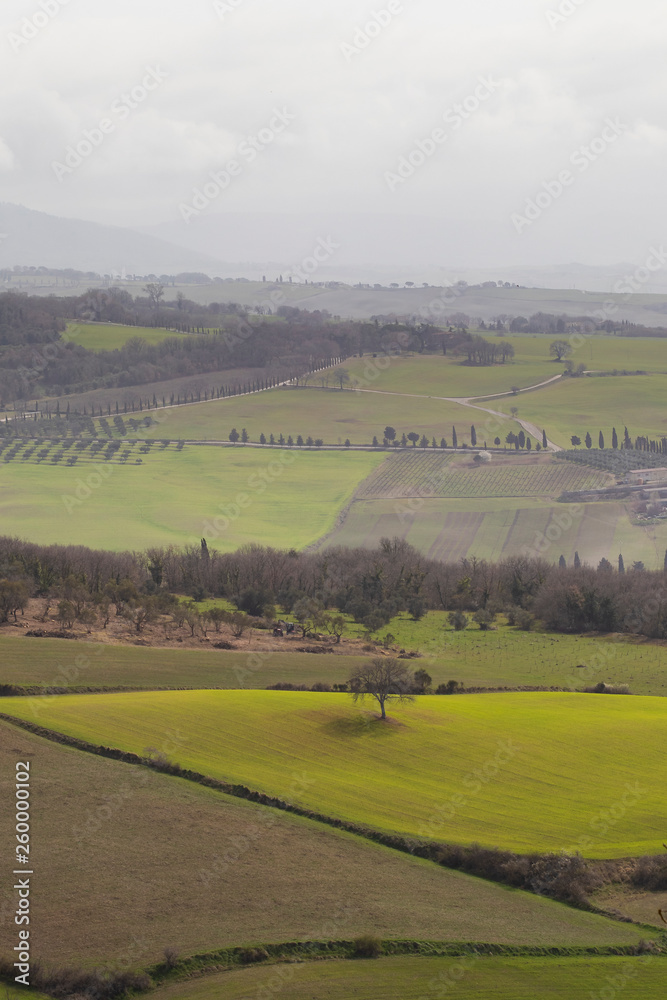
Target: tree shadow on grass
365,724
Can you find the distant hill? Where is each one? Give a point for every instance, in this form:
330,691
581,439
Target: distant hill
384,248
36,239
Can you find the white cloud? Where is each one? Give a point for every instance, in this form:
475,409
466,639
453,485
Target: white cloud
355,117
7,158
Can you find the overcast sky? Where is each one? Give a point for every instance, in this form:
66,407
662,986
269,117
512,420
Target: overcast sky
318,105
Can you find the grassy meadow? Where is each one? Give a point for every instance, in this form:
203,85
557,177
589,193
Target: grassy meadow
116,854
529,772
330,414
468,978
575,406
111,336
437,375
505,657
290,499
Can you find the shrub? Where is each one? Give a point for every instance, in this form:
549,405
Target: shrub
602,688
650,873
367,946
458,620
170,958
525,620
451,687
484,619
250,955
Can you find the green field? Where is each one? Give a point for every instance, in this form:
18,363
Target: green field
232,496
598,352
111,336
526,772
468,978
504,657
575,406
435,375
140,861
329,414
495,528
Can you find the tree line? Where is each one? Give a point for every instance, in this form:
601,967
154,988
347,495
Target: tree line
370,585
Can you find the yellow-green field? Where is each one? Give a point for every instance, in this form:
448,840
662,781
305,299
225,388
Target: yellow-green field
140,861
522,771
231,496
470,978
111,336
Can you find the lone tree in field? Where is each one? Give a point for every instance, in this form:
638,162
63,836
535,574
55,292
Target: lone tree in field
559,349
383,679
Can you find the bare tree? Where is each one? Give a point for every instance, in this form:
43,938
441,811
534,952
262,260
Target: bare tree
155,292
383,679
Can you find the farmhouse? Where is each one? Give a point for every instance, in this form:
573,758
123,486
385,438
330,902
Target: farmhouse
640,477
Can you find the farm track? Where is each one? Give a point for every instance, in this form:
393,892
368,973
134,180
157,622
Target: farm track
529,427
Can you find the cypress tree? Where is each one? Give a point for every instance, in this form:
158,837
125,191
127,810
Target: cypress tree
614,438
621,564
601,441
455,440
545,443
577,561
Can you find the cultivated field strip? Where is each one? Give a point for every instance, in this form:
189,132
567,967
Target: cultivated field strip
446,529
406,475
467,978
